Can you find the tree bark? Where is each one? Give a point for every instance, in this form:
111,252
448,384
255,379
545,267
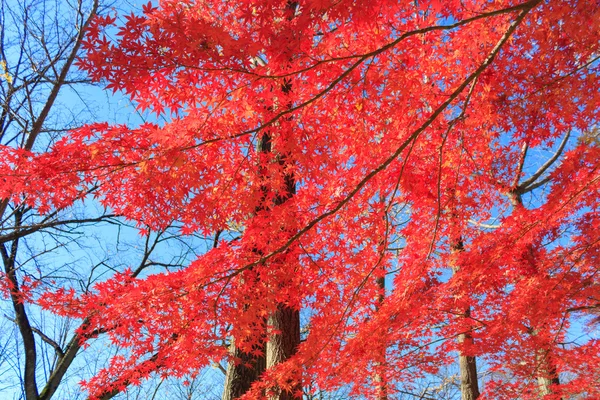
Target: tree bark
242,374
21,318
283,344
285,321
380,378
547,374
469,386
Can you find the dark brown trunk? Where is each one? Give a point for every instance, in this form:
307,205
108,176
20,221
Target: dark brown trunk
9,259
245,368
284,342
285,321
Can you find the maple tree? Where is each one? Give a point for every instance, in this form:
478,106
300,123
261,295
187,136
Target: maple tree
325,132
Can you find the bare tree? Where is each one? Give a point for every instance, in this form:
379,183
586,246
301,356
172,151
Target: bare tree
39,42
43,96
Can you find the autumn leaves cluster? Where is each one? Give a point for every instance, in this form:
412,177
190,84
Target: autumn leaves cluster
433,148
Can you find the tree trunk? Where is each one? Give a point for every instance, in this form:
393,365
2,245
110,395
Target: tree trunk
282,345
242,374
285,321
469,386
547,374
9,259
380,378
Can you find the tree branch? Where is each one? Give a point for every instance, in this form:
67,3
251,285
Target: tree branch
527,185
489,59
43,336
37,125
29,229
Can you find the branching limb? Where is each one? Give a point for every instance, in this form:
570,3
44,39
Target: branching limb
530,183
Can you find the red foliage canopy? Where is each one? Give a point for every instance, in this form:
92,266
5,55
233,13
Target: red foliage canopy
409,124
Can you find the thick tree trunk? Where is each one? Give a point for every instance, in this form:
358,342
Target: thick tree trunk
285,322
547,374
245,368
469,386
241,375
283,344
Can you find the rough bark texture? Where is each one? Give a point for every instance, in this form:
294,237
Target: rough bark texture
469,386
547,374
283,344
241,375
62,366
246,368
285,322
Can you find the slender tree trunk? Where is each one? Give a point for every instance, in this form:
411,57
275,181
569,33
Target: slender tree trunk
9,259
469,386
380,378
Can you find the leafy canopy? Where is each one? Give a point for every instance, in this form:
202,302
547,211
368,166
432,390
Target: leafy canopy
409,126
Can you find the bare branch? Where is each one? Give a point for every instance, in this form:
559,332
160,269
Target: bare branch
37,126
527,185
43,336
26,230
